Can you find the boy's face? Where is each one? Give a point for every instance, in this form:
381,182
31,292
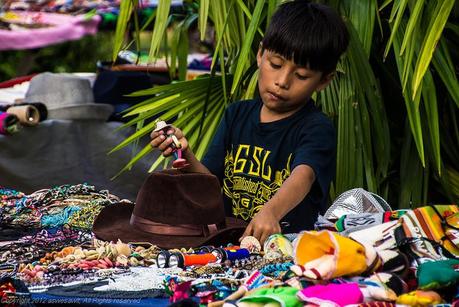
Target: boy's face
284,86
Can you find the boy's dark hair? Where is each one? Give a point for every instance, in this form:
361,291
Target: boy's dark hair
310,34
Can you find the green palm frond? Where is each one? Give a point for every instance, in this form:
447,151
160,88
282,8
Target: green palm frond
126,10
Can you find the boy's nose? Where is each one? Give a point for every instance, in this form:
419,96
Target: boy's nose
283,80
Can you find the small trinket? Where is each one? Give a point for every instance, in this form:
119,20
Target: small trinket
176,146
182,260
277,246
251,243
223,254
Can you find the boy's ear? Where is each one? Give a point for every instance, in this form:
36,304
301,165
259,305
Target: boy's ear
259,55
325,81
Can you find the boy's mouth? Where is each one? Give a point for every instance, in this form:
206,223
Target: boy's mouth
274,96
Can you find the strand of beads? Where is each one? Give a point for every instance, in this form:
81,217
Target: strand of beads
276,269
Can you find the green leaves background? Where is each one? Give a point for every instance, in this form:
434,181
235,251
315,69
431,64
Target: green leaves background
394,100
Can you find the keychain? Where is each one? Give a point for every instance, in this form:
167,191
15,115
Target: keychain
176,146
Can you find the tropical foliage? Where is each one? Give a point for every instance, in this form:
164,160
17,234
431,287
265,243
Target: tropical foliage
394,100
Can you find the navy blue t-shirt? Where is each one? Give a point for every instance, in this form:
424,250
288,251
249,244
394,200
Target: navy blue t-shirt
253,159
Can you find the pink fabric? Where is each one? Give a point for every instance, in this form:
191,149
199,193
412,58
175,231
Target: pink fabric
65,28
332,294
3,116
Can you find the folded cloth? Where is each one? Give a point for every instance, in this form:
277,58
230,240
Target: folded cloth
283,296
437,274
381,287
376,304
419,298
435,225
332,294
381,236
349,223
326,255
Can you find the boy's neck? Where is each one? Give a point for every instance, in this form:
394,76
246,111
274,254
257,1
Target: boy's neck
267,115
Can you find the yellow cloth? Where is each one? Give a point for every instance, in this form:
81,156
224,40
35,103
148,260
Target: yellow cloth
328,254
419,298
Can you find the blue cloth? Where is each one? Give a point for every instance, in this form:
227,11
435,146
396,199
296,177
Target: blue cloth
253,159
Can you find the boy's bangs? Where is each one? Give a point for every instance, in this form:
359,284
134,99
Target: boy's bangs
306,52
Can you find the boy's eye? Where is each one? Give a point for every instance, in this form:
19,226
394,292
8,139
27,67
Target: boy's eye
274,65
301,77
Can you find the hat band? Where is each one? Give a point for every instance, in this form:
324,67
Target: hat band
172,230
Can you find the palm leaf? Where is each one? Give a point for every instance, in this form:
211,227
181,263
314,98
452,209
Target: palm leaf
397,11
445,69
439,18
412,174
247,45
429,96
159,28
126,8
363,75
202,21
412,24
362,15
412,105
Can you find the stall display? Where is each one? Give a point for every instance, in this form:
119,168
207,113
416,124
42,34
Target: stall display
56,252
26,30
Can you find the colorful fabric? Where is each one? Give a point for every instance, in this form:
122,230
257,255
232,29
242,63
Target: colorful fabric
326,255
376,304
353,222
419,298
380,287
425,222
393,261
438,274
284,296
56,28
332,294
381,236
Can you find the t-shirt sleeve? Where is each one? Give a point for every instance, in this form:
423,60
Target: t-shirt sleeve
214,158
317,149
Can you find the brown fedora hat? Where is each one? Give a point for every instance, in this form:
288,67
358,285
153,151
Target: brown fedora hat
172,210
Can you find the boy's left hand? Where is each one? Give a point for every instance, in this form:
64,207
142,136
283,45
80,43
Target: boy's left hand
263,224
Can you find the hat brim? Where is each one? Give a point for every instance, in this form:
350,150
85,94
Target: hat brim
112,224
97,111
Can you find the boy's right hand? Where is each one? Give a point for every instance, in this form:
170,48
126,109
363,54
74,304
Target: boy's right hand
162,140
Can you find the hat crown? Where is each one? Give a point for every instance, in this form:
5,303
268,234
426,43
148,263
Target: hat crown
171,197
66,96
59,90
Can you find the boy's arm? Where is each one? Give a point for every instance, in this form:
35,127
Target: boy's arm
195,165
160,140
291,193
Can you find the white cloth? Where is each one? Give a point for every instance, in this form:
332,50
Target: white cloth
139,279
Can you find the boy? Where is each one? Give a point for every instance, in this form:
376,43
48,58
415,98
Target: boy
275,155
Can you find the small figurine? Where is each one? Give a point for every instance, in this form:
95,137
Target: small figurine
176,289
176,146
